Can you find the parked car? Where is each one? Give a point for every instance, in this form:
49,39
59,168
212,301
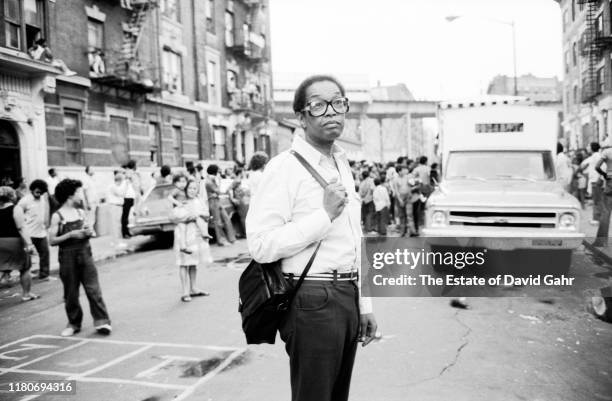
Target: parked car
151,215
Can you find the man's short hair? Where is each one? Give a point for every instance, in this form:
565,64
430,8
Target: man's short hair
41,41
423,160
213,169
40,185
559,147
376,181
131,165
258,161
65,189
595,147
199,167
299,99
165,170
51,171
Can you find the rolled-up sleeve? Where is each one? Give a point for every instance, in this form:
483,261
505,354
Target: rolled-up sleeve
272,231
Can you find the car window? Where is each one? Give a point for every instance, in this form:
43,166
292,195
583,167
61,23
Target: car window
160,192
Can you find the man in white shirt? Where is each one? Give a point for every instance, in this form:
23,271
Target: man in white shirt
132,193
35,208
563,166
288,216
92,199
382,203
606,210
594,187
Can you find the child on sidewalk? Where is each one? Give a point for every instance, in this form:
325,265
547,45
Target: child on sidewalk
69,231
178,198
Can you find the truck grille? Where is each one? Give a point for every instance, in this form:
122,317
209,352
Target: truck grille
503,219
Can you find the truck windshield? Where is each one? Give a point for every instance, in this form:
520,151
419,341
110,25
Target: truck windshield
495,165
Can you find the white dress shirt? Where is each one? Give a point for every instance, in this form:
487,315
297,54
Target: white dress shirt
286,217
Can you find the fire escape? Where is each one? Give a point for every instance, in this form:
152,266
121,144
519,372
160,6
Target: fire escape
125,71
596,39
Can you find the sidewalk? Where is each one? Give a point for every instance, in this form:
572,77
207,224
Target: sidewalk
590,231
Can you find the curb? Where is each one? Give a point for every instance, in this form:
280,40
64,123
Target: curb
598,252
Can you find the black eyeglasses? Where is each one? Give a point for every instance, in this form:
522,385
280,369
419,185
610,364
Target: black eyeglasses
317,108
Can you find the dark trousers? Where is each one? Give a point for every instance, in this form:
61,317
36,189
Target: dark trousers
222,222
125,214
416,214
320,334
597,194
367,216
382,220
42,248
76,268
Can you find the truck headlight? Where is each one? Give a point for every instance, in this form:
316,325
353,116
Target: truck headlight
438,218
567,221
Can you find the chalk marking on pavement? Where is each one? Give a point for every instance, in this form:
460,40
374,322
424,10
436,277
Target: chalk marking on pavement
24,347
18,341
8,370
111,363
144,343
167,359
210,374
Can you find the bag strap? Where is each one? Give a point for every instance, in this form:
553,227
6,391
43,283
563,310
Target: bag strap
315,174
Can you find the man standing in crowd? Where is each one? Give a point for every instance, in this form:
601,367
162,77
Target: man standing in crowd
604,222
366,193
165,176
133,191
594,187
92,200
402,190
35,208
220,218
563,166
288,216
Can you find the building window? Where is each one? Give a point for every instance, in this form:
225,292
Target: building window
23,19
575,99
212,70
229,28
72,134
177,137
574,57
119,130
170,8
600,25
95,41
173,71
219,143
154,142
210,15
246,32
573,9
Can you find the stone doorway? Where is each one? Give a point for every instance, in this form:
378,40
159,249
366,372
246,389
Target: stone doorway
10,163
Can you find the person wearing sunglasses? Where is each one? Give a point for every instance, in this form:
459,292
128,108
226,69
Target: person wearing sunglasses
288,216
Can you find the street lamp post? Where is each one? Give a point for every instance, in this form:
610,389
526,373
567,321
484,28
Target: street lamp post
511,24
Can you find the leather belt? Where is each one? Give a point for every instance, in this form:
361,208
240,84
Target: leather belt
349,276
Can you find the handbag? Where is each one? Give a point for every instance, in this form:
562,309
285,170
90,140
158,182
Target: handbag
265,295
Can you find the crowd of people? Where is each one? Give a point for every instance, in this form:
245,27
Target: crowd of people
586,173
393,195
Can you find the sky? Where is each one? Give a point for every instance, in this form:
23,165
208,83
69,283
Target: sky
411,42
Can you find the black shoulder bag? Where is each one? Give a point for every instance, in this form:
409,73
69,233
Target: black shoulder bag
265,294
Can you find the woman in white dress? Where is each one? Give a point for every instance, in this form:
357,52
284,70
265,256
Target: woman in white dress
194,241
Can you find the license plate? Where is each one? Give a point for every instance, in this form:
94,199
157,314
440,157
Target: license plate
547,242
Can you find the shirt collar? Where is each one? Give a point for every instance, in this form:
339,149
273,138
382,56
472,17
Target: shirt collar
312,155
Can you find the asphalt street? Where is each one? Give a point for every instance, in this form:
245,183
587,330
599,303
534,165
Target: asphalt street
537,349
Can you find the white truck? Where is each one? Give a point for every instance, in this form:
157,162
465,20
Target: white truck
498,184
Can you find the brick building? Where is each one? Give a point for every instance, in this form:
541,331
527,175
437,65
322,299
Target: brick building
157,81
587,85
